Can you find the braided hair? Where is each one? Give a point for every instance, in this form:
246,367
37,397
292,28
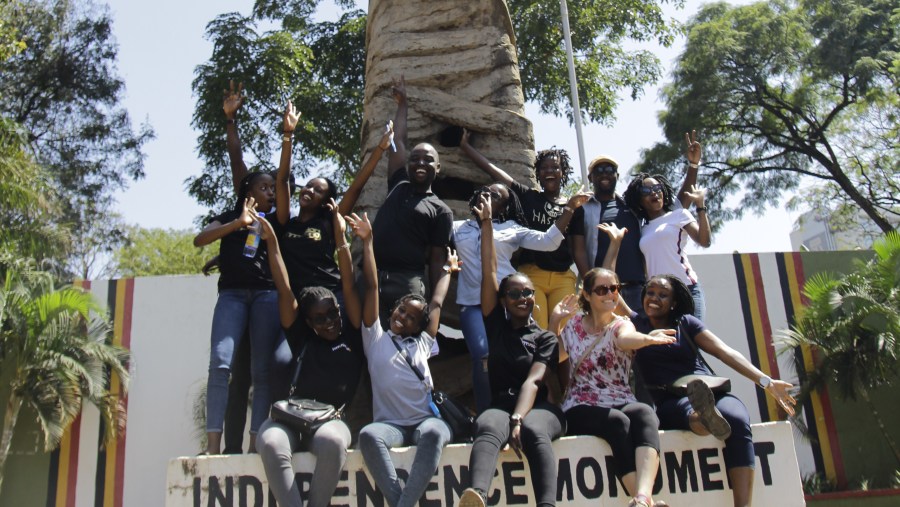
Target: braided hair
683,301
558,153
244,187
633,194
512,211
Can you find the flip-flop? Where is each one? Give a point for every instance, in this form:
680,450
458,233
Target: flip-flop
703,402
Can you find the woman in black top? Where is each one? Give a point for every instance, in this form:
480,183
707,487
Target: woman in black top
247,300
307,244
549,271
519,353
330,371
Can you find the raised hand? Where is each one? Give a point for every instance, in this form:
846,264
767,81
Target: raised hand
565,308
694,150
387,140
265,230
616,235
454,265
233,100
483,208
360,225
662,336
464,141
249,211
340,225
291,117
696,195
779,390
398,89
577,200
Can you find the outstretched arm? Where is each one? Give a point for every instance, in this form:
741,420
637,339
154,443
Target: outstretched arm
398,158
692,154
362,177
627,338
345,263
482,162
778,389
575,202
489,286
283,179
288,309
232,103
699,231
363,229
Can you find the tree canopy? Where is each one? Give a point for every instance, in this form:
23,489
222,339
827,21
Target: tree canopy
63,89
791,96
150,252
321,67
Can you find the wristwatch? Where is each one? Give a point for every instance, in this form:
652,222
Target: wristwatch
515,420
765,381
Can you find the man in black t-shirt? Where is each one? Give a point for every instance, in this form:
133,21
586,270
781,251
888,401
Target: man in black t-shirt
589,245
413,225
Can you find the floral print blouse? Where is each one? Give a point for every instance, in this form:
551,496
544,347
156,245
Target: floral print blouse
601,379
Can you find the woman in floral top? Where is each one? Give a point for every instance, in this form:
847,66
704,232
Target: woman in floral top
599,400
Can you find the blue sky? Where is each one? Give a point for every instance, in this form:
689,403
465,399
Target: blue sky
161,42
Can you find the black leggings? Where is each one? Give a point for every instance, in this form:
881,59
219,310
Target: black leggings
625,428
543,424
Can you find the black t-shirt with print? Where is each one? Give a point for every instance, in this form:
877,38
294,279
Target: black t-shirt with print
236,270
308,252
511,352
331,369
407,225
630,262
541,214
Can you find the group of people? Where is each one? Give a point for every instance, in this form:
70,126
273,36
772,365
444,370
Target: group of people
638,302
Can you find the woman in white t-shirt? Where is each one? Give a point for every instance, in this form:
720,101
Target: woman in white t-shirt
667,224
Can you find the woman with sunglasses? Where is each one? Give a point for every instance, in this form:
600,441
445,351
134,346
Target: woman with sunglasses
519,354
331,365
548,270
668,224
511,232
599,401
668,303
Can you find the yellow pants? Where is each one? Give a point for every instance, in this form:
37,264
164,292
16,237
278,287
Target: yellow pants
550,287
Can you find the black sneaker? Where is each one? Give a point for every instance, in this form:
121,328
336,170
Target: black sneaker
704,403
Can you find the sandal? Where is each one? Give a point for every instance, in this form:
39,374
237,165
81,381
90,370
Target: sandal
703,402
642,501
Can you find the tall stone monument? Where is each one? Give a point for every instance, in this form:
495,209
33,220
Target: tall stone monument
459,61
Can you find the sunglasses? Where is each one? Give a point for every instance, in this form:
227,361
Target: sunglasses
329,316
520,293
652,189
487,190
602,290
604,168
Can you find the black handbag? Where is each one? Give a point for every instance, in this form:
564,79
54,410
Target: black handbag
300,414
457,416
678,387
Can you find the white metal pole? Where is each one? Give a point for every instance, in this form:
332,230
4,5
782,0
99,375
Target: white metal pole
573,85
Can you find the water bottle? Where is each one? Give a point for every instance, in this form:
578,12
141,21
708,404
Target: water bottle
252,244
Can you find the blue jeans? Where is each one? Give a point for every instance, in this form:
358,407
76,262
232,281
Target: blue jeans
375,441
237,310
699,300
472,323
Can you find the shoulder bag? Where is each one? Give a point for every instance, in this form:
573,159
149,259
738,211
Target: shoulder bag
454,413
301,414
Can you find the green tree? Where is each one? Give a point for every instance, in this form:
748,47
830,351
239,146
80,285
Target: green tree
853,324
791,96
321,66
54,355
63,89
149,252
